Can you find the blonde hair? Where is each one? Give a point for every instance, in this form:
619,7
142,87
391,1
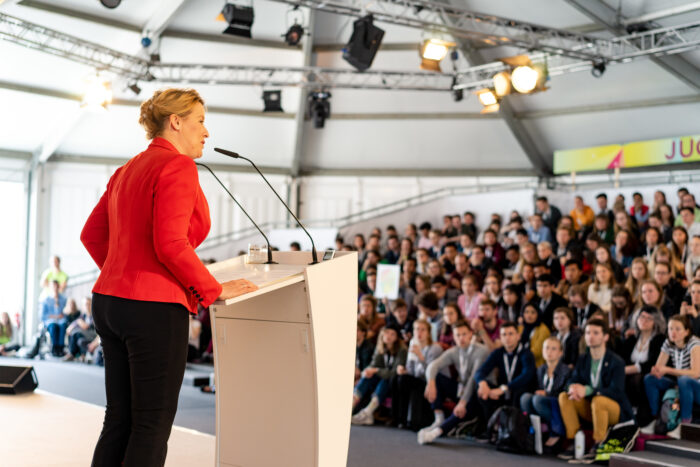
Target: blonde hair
423,322
164,103
553,339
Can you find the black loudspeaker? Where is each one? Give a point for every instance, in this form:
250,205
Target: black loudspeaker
17,379
363,44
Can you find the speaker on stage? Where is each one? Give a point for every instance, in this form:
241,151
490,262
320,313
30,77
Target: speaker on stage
17,379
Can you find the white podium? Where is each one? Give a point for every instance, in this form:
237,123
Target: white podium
284,362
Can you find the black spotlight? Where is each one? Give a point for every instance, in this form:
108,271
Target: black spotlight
598,68
135,88
239,19
457,94
294,34
273,101
363,44
110,3
319,107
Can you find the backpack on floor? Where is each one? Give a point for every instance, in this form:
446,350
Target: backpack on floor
511,431
619,440
669,415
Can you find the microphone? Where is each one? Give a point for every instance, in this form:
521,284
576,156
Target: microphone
269,248
235,155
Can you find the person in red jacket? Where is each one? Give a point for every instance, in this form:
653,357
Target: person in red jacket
142,235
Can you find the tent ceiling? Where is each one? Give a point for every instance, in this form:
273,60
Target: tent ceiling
354,140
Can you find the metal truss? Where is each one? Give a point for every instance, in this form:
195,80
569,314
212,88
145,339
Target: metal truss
662,41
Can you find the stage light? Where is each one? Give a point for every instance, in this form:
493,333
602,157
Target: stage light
598,68
110,3
98,92
487,97
432,51
525,79
272,101
501,84
319,108
239,19
293,34
134,87
363,44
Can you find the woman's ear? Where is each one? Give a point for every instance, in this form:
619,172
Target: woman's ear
175,122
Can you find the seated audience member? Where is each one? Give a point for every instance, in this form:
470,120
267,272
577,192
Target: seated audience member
363,350
470,298
693,261
478,260
624,222
568,334
671,287
492,287
424,239
538,232
81,333
526,282
508,308
682,351
368,315
639,211
623,250
603,228
573,275
429,310
434,269
487,326
466,356
582,215
450,315
399,317
552,262
492,249
565,240
516,373
422,259
533,332
691,306
512,261
422,284
597,389
621,307
552,377
461,270
640,352
547,300
408,406
435,249
652,294
448,257
449,229
581,307
444,294
466,243
468,225
405,253
638,273
71,311
679,248
652,240
372,258
53,318
376,378
393,250
600,291
8,336
550,213
602,256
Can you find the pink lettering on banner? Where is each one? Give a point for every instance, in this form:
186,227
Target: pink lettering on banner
673,151
690,152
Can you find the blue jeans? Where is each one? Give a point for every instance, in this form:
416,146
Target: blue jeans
446,389
689,394
547,408
380,387
57,330
656,387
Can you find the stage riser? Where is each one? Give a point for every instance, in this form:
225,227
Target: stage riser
680,448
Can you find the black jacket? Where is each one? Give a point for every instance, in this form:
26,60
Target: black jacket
562,373
612,380
555,302
654,350
571,347
581,315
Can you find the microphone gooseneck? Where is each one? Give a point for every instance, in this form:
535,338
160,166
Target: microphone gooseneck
235,155
269,248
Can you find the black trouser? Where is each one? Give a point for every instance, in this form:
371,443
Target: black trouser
145,347
408,404
634,387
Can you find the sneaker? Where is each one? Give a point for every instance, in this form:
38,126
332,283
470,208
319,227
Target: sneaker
649,429
568,453
363,417
675,433
590,456
439,420
69,357
428,435
463,428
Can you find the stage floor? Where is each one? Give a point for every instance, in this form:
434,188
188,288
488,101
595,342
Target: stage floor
43,429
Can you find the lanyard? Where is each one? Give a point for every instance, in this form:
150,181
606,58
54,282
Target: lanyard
510,369
594,381
388,360
464,363
548,382
563,339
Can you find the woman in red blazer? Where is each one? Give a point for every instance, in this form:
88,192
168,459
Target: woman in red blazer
142,235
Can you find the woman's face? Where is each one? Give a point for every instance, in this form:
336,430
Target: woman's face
621,238
551,350
389,337
645,322
602,255
433,269
449,315
677,332
366,309
650,296
638,270
528,273
680,238
529,315
561,322
652,237
192,132
421,331
602,274
492,285
665,212
468,287
406,246
621,219
694,294
400,313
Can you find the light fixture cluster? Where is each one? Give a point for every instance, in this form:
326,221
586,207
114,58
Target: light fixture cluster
522,77
98,92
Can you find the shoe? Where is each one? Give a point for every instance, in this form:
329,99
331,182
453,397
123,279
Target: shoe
483,437
428,435
463,428
363,417
439,420
68,358
567,454
649,429
590,456
675,433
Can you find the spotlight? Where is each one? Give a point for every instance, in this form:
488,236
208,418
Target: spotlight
98,92
525,79
488,99
598,68
432,51
135,88
319,107
363,44
457,94
239,19
272,101
501,84
110,3
294,34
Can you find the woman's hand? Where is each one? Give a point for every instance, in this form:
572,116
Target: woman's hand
236,287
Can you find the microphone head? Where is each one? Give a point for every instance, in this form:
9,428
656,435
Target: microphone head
226,152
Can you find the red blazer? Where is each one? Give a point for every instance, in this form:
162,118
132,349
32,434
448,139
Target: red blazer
143,231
